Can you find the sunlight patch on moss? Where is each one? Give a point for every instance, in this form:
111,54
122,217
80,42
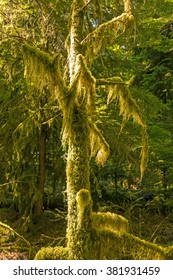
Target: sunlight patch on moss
52,253
109,221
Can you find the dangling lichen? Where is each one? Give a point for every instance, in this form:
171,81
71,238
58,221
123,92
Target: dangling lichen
118,90
42,70
99,146
84,84
128,106
81,94
108,31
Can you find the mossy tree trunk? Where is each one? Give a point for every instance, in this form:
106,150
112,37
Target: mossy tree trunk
78,148
77,179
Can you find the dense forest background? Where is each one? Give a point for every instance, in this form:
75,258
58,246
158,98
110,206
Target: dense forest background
33,194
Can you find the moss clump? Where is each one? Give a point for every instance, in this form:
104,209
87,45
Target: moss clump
109,221
83,199
84,204
49,253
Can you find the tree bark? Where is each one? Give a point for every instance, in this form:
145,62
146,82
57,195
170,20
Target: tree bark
77,178
38,209
77,171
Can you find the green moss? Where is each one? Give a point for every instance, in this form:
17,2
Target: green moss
169,253
43,70
109,221
77,179
84,205
105,238
99,147
118,90
49,253
83,199
107,32
109,244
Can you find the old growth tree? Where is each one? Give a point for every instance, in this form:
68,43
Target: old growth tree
75,94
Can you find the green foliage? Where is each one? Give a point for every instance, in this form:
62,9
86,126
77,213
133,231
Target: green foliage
118,48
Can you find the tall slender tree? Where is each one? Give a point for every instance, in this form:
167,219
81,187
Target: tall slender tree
75,95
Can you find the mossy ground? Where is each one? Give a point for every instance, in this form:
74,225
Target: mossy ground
154,227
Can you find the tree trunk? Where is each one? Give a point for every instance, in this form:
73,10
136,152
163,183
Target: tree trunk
78,233
75,36
77,179
38,209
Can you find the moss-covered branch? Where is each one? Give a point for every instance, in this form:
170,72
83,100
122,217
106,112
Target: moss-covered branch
119,90
105,237
110,81
106,32
118,246
16,233
50,253
109,221
128,6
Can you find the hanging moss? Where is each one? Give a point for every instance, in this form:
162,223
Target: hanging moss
81,94
99,146
42,70
118,90
108,31
84,84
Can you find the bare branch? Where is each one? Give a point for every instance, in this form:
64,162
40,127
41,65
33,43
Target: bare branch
86,4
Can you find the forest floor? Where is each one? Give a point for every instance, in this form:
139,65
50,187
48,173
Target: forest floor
17,243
